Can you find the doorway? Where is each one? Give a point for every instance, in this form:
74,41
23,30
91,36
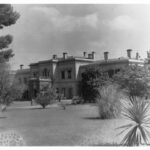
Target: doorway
70,93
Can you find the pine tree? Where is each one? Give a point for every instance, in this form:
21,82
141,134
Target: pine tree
7,17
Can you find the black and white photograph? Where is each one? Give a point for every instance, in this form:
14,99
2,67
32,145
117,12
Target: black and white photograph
74,74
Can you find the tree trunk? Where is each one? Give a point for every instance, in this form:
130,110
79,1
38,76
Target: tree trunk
43,106
3,107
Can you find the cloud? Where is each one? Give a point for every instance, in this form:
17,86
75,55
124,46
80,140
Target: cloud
43,30
76,10
122,23
92,20
53,18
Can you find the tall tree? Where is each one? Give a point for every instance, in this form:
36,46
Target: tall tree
7,17
7,89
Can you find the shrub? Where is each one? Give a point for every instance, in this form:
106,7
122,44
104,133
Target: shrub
108,100
46,97
137,112
77,100
133,81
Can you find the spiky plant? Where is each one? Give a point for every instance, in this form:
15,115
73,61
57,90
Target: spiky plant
138,131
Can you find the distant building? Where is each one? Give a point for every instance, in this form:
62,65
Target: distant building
23,76
61,73
65,73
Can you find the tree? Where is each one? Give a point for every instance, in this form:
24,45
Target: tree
133,81
17,90
46,96
7,17
10,88
92,79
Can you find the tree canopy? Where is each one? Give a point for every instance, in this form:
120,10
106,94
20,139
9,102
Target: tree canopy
7,17
92,78
8,89
133,81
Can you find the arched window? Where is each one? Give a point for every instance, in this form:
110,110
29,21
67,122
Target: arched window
69,74
48,73
63,74
45,72
110,73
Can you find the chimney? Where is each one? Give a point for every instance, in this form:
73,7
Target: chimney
21,66
54,56
65,55
85,54
129,53
137,56
93,55
106,56
90,56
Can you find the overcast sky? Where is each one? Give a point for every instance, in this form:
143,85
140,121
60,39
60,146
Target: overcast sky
44,30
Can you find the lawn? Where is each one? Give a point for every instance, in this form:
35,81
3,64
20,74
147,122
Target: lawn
77,125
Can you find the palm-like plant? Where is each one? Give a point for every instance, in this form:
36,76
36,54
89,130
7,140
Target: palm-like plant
138,132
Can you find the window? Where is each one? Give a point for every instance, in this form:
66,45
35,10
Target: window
63,74
111,73
70,93
45,73
48,73
25,80
69,74
35,74
117,70
82,75
20,80
64,92
57,90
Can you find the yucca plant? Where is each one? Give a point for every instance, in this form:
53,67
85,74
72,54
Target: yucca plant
138,131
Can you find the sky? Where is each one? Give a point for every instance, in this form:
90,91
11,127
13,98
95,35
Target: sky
46,29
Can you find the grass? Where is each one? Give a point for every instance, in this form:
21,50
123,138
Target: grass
54,126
